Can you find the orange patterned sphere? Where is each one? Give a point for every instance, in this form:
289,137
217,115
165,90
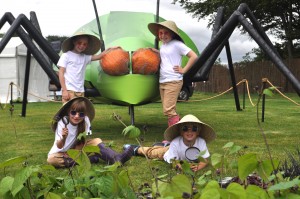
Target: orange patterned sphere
145,61
115,62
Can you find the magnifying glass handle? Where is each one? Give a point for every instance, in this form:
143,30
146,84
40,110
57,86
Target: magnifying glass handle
65,121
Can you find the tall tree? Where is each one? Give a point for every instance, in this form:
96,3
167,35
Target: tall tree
281,18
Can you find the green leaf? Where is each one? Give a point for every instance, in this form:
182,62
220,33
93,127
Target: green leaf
6,185
246,165
265,169
234,149
113,167
254,192
48,167
268,91
69,184
13,161
179,184
292,196
285,185
236,191
51,195
216,160
81,136
123,179
131,132
81,159
107,186
186,168
211,191
20,178
228,145
91,149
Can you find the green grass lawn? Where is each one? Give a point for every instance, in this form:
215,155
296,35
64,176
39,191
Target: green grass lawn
32,135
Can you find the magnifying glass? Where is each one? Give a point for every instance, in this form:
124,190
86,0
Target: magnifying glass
65,120
192,154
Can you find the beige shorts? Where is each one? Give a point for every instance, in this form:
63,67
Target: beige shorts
57,159
73,94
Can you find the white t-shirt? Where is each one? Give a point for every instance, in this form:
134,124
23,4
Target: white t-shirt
171,55
177,149
72,135
75,65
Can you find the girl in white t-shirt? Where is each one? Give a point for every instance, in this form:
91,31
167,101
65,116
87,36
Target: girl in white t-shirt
71,120
171,73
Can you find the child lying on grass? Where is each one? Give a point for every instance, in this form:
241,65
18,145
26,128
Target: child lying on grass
188,141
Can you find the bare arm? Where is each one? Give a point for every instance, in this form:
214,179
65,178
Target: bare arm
60,143
199,166
192,58
65,94
99,56
155,50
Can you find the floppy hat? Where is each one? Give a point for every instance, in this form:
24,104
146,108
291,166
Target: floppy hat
171,25
206,132
92,48
63,111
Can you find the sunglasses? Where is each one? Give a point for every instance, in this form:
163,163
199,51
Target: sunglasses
74,113
186,128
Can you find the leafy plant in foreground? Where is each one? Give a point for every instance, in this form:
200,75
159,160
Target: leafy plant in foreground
83,181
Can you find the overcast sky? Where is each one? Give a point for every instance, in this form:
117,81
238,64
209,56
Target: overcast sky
64,17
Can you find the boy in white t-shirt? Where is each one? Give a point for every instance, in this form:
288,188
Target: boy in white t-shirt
78,51
188,141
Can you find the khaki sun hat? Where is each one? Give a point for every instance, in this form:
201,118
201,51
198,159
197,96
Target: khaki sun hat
92,48
63,111
171,25
206,132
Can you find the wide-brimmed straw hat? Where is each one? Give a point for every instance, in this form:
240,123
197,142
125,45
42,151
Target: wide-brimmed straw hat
63,111
93,45
171,25
206,132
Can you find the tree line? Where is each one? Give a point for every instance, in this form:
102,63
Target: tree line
280,18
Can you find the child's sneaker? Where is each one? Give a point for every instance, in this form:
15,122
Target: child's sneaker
135,148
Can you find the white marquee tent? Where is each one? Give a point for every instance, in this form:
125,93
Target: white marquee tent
12,70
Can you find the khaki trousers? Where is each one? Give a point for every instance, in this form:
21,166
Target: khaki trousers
57,159
169,92
155,152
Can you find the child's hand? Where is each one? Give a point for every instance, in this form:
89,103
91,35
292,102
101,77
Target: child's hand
198,166
60,143
65,95
154,49
65,133
194,167
178,69
113,47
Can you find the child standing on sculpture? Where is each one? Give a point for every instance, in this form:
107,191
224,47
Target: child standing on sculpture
171,73
78,51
